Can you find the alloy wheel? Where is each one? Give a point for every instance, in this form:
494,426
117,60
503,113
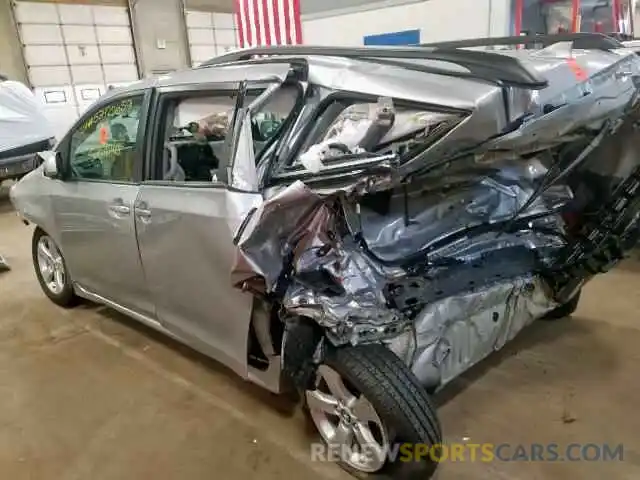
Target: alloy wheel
51,265
348,422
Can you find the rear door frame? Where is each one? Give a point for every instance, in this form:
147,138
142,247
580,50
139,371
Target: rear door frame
233,349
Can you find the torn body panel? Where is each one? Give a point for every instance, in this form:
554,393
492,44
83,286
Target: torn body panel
456,332
445,253
363,274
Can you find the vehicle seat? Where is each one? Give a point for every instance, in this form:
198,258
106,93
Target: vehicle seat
122,165
381,125
190,160
171,168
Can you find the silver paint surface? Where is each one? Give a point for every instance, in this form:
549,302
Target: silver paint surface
170,259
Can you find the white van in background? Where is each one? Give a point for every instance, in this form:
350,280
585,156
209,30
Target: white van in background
24,130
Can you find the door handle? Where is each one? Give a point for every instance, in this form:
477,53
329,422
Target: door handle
121,209
142,210
118,207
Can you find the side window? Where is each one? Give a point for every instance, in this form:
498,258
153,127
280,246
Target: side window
348,129
267,122
104,145
196,128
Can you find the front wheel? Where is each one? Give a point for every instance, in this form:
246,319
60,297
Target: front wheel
51,270
375,418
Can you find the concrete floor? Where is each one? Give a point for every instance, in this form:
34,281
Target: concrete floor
88,394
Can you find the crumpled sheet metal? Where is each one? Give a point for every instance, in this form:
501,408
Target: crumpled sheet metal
298,223
360,310
455,333
294,213
606,94
434,216
263,242
468,249
300,226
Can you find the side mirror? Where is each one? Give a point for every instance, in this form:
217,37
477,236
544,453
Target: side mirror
51,163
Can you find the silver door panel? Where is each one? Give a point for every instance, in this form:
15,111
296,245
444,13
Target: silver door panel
185,235
98,240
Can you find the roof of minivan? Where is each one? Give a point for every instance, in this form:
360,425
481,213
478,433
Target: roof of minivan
336,73
233,66
203,76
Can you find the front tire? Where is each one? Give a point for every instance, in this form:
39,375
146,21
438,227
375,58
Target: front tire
51,270
365,402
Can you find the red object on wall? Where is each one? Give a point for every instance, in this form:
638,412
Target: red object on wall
616,12
575,16
612,16
518,8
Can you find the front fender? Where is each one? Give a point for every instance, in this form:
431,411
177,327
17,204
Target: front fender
32,199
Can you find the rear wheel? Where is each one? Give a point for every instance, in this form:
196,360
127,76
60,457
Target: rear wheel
51,270
365,404
565,310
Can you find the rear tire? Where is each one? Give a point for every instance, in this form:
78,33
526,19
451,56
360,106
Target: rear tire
51,270
384,399
565,310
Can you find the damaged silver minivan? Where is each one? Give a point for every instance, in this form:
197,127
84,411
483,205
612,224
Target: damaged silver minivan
359,225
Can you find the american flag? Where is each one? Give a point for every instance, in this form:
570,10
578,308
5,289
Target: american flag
268,22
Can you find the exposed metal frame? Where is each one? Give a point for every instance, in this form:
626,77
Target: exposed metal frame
482,64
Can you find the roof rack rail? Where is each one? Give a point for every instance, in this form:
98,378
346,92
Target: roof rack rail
587,41
502,68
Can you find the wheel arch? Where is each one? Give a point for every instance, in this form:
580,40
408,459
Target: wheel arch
300,342
47,231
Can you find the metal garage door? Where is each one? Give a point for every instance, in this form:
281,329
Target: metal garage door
210,34
73,53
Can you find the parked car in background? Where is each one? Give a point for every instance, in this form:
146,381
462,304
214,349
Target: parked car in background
24,130
358,225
